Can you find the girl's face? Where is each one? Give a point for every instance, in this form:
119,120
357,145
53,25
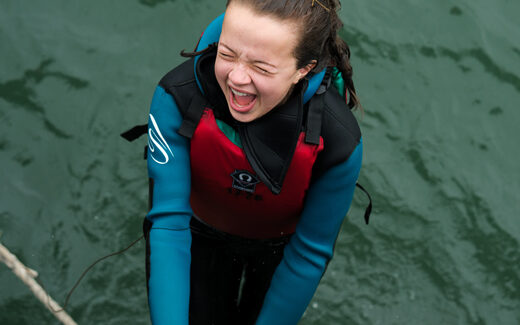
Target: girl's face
255,66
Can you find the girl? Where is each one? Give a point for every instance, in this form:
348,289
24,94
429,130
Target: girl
253,159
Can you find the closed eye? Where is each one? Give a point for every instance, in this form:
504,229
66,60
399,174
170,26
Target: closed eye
225,55
263,71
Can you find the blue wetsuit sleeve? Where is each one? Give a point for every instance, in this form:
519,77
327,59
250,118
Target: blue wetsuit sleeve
170,237
310,248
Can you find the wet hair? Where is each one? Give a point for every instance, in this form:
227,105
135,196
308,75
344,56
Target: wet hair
319,39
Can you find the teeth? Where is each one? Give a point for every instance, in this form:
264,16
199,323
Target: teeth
239,93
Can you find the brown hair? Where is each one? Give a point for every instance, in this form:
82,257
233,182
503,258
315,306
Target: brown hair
319,34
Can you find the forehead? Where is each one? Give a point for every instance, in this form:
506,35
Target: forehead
258,36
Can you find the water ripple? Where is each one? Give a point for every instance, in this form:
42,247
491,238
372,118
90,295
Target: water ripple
496,251
21,92
358,40
416,156
455,11
153,3
487,62
384,49
516,51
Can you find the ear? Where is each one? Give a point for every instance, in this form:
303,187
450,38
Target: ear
302,72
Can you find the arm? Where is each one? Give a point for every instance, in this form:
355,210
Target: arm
310,248
170,237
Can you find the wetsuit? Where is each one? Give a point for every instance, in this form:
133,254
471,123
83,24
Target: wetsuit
309,248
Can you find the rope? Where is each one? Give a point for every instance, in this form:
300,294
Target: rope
28,276
92,265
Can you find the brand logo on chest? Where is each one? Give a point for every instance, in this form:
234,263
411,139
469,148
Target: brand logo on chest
244,181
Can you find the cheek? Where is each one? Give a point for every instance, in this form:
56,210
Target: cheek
274,90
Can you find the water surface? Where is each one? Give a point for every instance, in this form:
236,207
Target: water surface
438,81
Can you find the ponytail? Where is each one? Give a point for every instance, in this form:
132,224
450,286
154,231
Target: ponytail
339,55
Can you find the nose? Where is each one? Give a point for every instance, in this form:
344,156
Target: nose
239,75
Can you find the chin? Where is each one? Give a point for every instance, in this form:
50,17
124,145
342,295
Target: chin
242,117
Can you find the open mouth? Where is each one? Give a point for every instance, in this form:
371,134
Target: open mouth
242,102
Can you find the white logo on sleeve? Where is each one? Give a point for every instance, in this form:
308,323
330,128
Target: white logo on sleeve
156,142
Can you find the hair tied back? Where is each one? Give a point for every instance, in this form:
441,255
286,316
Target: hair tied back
321,4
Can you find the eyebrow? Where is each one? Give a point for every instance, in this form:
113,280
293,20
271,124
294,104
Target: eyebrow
254,61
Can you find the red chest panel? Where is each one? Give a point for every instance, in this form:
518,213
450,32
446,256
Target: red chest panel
226,193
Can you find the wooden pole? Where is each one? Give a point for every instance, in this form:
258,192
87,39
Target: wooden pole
28,276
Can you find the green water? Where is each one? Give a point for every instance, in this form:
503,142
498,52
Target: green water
439,81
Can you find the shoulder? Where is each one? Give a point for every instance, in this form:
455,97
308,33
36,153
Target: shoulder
339,119
180,82
340,131
171,94
179,76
